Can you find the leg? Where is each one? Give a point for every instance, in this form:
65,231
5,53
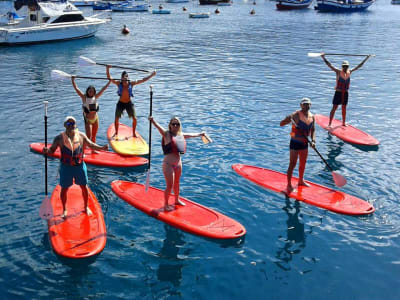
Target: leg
302,166
177,177
63,196
332,114
95,128
134,122
169,180
88,130
116,125
344,114
85,194
292,165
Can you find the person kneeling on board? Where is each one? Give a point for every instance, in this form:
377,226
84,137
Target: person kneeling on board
303,125
72,144
125,93
173,145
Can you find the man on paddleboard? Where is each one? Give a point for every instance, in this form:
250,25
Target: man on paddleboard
303,125
72,144
341,96
125,93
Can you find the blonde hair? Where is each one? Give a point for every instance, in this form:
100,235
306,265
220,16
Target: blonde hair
180,124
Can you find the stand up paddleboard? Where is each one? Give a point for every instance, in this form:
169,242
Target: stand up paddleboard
78,235
347,133
193,218
125,143
102,158
314,194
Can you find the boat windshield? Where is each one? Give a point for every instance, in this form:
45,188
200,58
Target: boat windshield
69,18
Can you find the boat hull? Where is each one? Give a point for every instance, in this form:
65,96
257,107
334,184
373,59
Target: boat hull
213,2
290,5
334,6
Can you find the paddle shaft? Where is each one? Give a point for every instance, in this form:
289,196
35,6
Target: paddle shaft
45,144
345,54
88,77
119,67
151,113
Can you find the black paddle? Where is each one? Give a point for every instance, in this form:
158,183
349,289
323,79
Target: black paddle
337,178
151,113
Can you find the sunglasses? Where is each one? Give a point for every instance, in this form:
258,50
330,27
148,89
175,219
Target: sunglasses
175,124
69,123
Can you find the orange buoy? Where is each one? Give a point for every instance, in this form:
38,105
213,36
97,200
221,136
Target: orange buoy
125,30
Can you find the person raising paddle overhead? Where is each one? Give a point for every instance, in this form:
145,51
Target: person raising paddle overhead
90,108
341,96
72,144
303,125
125,93
173,145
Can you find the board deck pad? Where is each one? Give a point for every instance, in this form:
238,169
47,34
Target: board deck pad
125,143
315,194
78,235
101,158
193,217
348,133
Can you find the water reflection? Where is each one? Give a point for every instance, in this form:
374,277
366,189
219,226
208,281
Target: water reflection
334,150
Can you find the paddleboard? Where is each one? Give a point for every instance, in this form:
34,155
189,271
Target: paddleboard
193,217
314,194
102,158
78,235
347,133
125,143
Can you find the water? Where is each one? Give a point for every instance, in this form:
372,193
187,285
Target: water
235,76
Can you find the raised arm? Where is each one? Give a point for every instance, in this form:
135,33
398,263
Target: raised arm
329,64
98,95
157,125
144,79
78,91
361,64
116,82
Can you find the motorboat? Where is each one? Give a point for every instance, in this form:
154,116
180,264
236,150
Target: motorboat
199,15
292,4
343,5
177,1
82,2
101,5
128,6
213,2
49,21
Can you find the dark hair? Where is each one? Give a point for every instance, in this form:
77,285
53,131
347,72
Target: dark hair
88,88
123,74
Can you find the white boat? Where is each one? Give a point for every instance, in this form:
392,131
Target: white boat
49,21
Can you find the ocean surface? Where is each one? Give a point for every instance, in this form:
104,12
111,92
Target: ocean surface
236,76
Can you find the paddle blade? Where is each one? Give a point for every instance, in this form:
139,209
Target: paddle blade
46,211
313,54
339,179
146,187
206,139
84,61
59,75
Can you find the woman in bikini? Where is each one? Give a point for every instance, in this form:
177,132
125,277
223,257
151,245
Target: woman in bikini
341,96
90,108
303,125
173,145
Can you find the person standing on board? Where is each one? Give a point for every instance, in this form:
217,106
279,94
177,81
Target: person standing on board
174,145
72,144
303,125
90,108
125,93
341,96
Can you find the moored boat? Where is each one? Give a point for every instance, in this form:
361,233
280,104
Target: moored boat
161,11
101,5
199,15
177,1
49,21
213,2
292,4
343,6
129,6
82,2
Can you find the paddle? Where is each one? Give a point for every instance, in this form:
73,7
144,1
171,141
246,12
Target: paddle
337,178
60,75
84,62
45,211
313,54
151,113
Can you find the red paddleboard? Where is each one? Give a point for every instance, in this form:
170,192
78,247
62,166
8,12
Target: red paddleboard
102,158
125,143
193,218
314,194
78,235
347,133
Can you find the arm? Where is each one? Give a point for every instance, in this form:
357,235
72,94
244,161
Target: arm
313,134
193,135
144,79
98,95
78,91
288,119
360,65
54,145
92,145
116,82
158,126
329,64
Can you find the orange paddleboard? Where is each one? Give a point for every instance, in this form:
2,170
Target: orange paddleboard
78,235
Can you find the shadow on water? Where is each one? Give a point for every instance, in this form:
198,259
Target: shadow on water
334,150
366,148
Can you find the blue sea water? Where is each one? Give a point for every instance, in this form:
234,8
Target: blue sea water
234,75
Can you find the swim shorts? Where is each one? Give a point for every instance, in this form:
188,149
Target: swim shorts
68,173
337,98
130,109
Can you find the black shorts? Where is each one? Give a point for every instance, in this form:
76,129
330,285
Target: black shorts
337,98
297,145
130,109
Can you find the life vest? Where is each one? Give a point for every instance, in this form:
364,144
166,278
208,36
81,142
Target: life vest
71,151
342,84
177,145
90,104
301,129
120,87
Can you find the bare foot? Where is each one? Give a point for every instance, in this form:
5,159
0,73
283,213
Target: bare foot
303,183
88,211
168,208
179,202
115,137
95,151
134,135
64,215
344,124
289,189
329,127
